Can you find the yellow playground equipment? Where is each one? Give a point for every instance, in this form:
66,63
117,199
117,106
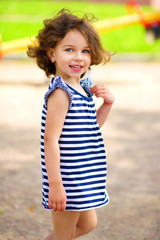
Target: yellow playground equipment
151,22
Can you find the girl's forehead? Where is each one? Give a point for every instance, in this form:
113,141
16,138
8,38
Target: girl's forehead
74,37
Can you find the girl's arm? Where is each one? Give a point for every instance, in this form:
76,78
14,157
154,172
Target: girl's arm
57,107
103,111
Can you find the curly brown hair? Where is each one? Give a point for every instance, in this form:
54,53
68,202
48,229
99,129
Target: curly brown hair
55,30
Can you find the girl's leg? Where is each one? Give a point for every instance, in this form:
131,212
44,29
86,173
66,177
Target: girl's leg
86,222
72,224
64,224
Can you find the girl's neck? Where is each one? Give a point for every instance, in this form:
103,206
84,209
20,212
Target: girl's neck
78,88
73,82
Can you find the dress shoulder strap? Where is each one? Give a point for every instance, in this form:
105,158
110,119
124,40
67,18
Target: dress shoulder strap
58,82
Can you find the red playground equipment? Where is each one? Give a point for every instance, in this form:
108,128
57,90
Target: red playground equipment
152,27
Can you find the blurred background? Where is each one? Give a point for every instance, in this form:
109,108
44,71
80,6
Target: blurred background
20,19
131,29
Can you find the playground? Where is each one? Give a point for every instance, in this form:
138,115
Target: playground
128,20
132,142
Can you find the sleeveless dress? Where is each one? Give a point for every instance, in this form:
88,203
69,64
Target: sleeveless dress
82,152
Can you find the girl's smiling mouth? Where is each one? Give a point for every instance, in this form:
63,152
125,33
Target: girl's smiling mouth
76,68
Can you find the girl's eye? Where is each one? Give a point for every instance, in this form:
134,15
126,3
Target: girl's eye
86,51
69,50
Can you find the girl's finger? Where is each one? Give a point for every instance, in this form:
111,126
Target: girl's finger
97,87
54,206
63,206
100,92
59,208
50,205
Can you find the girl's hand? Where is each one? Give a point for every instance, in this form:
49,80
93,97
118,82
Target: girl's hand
103,92
57,197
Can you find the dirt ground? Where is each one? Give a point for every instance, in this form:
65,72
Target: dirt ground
132,139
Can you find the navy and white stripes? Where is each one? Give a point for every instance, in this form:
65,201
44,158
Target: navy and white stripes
82,153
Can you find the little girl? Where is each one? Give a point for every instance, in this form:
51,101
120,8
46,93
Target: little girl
73,155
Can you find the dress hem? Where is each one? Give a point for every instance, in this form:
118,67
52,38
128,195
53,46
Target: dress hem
82,209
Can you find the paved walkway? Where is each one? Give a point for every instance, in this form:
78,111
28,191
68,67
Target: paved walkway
132,139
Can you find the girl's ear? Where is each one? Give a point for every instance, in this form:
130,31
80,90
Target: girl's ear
50,54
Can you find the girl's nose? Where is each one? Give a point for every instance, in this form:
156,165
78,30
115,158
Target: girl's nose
78,56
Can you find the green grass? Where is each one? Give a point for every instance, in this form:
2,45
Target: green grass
19,19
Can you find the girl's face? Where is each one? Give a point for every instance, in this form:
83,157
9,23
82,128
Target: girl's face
72,56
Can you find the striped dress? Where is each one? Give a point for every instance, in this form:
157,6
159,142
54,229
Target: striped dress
82,152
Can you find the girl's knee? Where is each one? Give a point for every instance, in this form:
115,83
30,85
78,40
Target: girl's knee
90,225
